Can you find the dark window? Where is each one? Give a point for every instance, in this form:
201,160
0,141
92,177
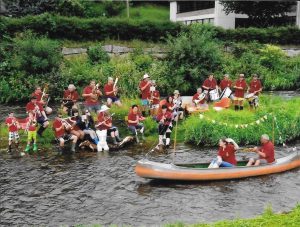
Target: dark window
188,6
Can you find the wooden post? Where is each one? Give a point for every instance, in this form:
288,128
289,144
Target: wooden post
127,6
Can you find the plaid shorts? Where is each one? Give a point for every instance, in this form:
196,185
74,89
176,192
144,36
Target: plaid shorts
13,135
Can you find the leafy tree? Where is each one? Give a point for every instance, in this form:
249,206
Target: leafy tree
97,55
262,12
192,56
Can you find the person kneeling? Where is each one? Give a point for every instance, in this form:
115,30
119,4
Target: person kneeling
165,125
266,152
60,127
226,154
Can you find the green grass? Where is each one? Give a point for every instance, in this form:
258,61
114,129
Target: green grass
268,219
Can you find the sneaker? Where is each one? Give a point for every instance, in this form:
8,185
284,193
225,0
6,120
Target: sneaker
27,149
35,148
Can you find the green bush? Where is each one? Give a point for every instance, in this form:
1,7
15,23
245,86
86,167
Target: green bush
70,8
97,54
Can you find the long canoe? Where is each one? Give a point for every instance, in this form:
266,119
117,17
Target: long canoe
200,172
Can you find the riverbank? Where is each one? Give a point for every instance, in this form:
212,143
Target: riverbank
268,218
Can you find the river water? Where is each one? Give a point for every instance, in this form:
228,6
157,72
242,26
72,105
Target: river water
87,188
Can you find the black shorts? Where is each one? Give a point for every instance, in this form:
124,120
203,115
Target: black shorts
65,137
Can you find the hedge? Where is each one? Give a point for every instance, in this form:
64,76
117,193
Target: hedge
75,28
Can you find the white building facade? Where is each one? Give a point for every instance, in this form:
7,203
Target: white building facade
212,12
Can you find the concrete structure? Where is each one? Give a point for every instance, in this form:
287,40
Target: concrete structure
213,12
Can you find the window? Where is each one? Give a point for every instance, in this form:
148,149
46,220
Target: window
188,6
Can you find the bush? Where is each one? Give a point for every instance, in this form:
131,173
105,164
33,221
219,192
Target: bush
97,55
70,8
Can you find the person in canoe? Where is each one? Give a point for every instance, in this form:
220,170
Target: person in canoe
266,152
226,154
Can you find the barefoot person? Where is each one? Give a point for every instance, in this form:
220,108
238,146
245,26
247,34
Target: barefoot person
255,88
91,94
144,87
266,152
70,99
13,128
240,87
134,122
37,109
111,91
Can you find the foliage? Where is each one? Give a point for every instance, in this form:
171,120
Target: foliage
113,8
192,56
45,55
70,8
205,132
263,11
97,54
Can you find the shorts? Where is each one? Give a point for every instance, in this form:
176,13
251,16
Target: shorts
65,138
238,99
41,120
134,129
13,136
93,107
31,136
113,99
112,129
162,129
145,102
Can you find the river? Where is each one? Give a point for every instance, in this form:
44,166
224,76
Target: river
88,188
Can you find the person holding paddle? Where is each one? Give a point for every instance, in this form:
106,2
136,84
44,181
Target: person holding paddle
111,91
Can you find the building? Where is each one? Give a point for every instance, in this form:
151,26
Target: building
212,12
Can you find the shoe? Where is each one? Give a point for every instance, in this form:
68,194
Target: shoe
35,148
114,140
118,139
27,149
9,149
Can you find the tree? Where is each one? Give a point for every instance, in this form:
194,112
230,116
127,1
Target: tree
260,12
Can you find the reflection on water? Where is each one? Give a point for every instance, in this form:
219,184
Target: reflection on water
103,188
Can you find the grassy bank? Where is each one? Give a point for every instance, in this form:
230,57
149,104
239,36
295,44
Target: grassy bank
246,127
268,218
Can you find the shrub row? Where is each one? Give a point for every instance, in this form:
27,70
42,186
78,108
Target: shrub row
116,28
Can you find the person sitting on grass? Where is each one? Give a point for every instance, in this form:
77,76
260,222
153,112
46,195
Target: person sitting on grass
226,154
31,128
134,122
111,91
13,128
61,128
199,99
266,152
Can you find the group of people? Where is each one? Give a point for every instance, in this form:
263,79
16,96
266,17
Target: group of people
210,91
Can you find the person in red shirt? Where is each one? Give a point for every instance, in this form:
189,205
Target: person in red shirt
210,84
144,86
13,128
60,127
91,95
154,99
37,109
226,154
266,152
226,82
134,122
111,90
199,99
40,96
240,87
255,88
31,127
165,125
70,99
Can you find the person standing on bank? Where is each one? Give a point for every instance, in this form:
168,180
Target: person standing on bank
144,87
210,84
240,87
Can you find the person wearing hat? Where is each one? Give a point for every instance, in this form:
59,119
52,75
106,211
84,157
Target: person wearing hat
177,101
37,109
61,131
240,87
91,94
144,87
111,90
154,99
70,99
266,152
254,88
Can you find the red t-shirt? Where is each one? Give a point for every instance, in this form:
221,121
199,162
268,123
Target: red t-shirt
268,149
38,95
37,109
211,84
100,118
146,91
169,105
167,116
90,100
56,125
255,86
156,96
228,154
12,128
32,126
225,83
109,88
239,93
133,117
71,95
196,97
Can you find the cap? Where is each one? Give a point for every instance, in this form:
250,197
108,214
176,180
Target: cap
146,76
176,92
103,108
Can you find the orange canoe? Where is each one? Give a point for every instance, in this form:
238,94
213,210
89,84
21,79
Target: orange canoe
200,172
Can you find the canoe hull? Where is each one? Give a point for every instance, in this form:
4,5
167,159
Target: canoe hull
155,170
